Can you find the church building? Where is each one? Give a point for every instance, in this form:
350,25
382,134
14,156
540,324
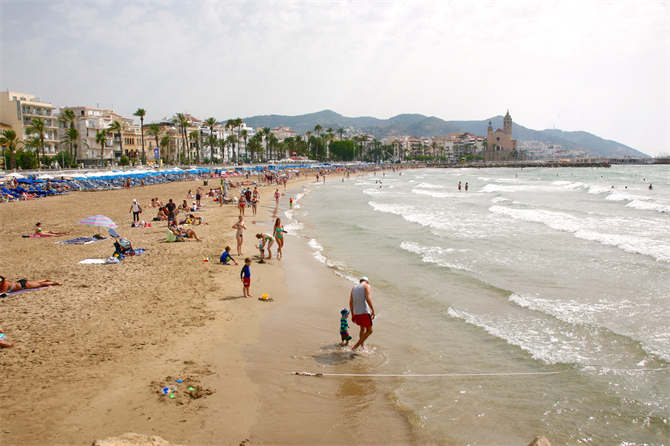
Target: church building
500,143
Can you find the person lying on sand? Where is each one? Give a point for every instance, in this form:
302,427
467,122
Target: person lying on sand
178,230
3,343
7,286
42,232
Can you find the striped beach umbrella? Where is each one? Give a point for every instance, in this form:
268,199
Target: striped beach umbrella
98,220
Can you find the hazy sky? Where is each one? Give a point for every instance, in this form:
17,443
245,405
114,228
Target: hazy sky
601,67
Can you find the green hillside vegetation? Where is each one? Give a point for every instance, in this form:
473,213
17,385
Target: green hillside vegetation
423,126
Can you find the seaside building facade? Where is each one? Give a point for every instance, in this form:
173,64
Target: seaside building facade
500,145
18,110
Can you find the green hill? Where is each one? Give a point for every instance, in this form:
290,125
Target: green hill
424,126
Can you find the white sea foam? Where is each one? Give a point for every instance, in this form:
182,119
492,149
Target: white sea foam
545,339
501,180
430,186
598,189
430,193
649,206
500,200
433,254
583,229
489,188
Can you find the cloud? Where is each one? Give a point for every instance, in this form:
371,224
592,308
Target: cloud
581,65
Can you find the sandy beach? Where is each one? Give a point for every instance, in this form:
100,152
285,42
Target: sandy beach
92,355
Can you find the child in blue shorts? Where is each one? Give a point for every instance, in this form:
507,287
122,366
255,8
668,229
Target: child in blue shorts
344,327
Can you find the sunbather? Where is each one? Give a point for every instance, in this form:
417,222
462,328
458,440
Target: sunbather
7,286
188,232
39,231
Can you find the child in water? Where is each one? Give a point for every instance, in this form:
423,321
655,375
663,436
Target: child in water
344,327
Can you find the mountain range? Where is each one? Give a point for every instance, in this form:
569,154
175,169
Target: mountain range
429,126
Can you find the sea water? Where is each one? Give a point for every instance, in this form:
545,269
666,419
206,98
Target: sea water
530,272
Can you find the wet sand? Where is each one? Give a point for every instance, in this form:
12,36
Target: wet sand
92,355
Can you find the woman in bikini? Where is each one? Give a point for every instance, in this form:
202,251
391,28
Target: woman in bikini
278,232
41,232
239,235
266,242
7,286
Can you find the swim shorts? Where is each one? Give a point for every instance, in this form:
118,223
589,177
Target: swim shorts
363,320
345,336
246,281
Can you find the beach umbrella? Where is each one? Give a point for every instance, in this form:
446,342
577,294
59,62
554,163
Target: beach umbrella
45,176
14,175
98,220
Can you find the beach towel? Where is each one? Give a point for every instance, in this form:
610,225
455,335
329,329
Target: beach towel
91,261
81,240
38,235
23,291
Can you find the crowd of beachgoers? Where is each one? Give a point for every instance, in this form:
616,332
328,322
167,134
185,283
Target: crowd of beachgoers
239,188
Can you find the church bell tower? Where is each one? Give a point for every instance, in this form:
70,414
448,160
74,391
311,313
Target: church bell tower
507,124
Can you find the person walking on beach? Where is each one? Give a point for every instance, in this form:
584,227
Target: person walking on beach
245,275
466,187
344,327
171,209
362,310
459,185
136,209
277,195
239,235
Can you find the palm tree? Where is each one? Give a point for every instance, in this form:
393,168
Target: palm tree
142,113
256,145
195,136
272,141
12,141
231,140
266,132
244,134
69,120
165,144
72,138
340,131
231,124
155,131
181,119
222,145
211,122
211,141
101,138
119,127
38,126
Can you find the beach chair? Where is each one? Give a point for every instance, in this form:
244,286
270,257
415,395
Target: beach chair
171,237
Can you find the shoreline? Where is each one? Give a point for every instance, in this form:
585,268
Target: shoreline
91,355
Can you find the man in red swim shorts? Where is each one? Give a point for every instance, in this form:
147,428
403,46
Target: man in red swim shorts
362,310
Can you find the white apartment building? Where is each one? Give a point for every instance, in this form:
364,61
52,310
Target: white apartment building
90,121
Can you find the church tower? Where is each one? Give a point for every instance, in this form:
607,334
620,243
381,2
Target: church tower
507,124
490,130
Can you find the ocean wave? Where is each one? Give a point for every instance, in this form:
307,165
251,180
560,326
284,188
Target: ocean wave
489,188
430,186
500,200
570,184
339,268
433,254
500,180
436,194
375,192
552,341
576,312
598,190
648,206
561,221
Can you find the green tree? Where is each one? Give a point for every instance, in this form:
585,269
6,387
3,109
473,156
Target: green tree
26,159
211,122
164,145
141,113
342,150
101,138
266,132
155,131
194,135
231,140
73,139
124,160
211,141
256,145
69,120
39,127
119,127
244,135
64,158
11,141
182,121
340,132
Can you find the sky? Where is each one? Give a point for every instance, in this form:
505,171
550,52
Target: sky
596,66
